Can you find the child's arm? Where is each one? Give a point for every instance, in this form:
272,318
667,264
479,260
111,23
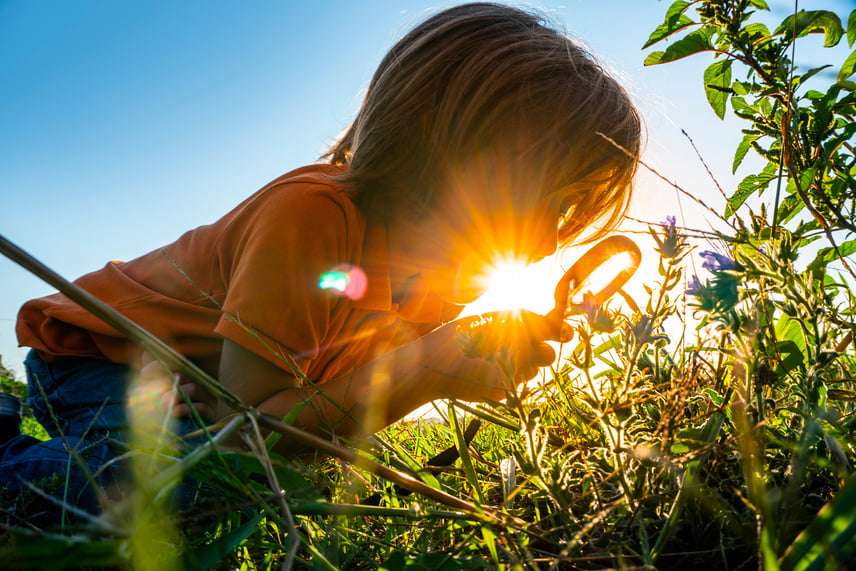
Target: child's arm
384,391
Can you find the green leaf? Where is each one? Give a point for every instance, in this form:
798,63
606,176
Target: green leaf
789,331
692,43
806,227
289,418
848,67
830,540
811,73
665,30
395,562
490,542
790,207
792,357
464,451
654,58
248,465
749,185
737,199
760,4
813,22
717,81
834,144
805,177
851,29
677,8
208,555
675,21
740,87
742,149
739,105
610,344
828,255
756,33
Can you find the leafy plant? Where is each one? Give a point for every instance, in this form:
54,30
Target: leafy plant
785,331
804,135
10,385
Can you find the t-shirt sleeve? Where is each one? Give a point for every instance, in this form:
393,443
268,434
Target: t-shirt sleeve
272,257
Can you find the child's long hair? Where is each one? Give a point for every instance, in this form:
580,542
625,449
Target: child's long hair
472,74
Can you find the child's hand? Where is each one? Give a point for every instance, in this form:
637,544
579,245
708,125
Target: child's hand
201,400
496,351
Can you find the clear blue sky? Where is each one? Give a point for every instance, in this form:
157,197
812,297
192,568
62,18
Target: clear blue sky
123,124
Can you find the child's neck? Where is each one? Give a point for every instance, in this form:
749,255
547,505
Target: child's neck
405,257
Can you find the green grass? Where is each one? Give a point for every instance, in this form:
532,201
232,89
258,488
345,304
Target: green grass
640,452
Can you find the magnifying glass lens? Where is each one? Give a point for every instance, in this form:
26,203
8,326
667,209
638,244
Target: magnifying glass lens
600,272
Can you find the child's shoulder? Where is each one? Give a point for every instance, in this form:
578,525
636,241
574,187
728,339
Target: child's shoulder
315,187
304,207
307,202
315,178
316,173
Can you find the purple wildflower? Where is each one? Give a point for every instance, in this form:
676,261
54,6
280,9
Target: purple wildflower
717,262
720,293
763,249
598,318
694,287
671,243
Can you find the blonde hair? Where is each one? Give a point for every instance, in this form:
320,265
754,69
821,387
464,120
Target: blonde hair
466,76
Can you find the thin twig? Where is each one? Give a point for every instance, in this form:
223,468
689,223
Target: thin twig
704,164
817,215
257,444
73,455
675,185
686,231
77,511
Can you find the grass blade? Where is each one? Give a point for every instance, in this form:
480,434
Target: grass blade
829,539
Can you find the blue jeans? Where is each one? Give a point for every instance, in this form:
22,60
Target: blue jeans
81,404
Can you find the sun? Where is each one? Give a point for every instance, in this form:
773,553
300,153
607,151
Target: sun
514,285
509,284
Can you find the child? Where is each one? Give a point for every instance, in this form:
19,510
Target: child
484,133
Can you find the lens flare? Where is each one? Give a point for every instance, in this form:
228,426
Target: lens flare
334,280
350,281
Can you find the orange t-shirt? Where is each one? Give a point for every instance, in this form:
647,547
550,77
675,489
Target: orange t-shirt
251,277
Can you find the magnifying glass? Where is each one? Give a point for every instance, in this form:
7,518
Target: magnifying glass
600,272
